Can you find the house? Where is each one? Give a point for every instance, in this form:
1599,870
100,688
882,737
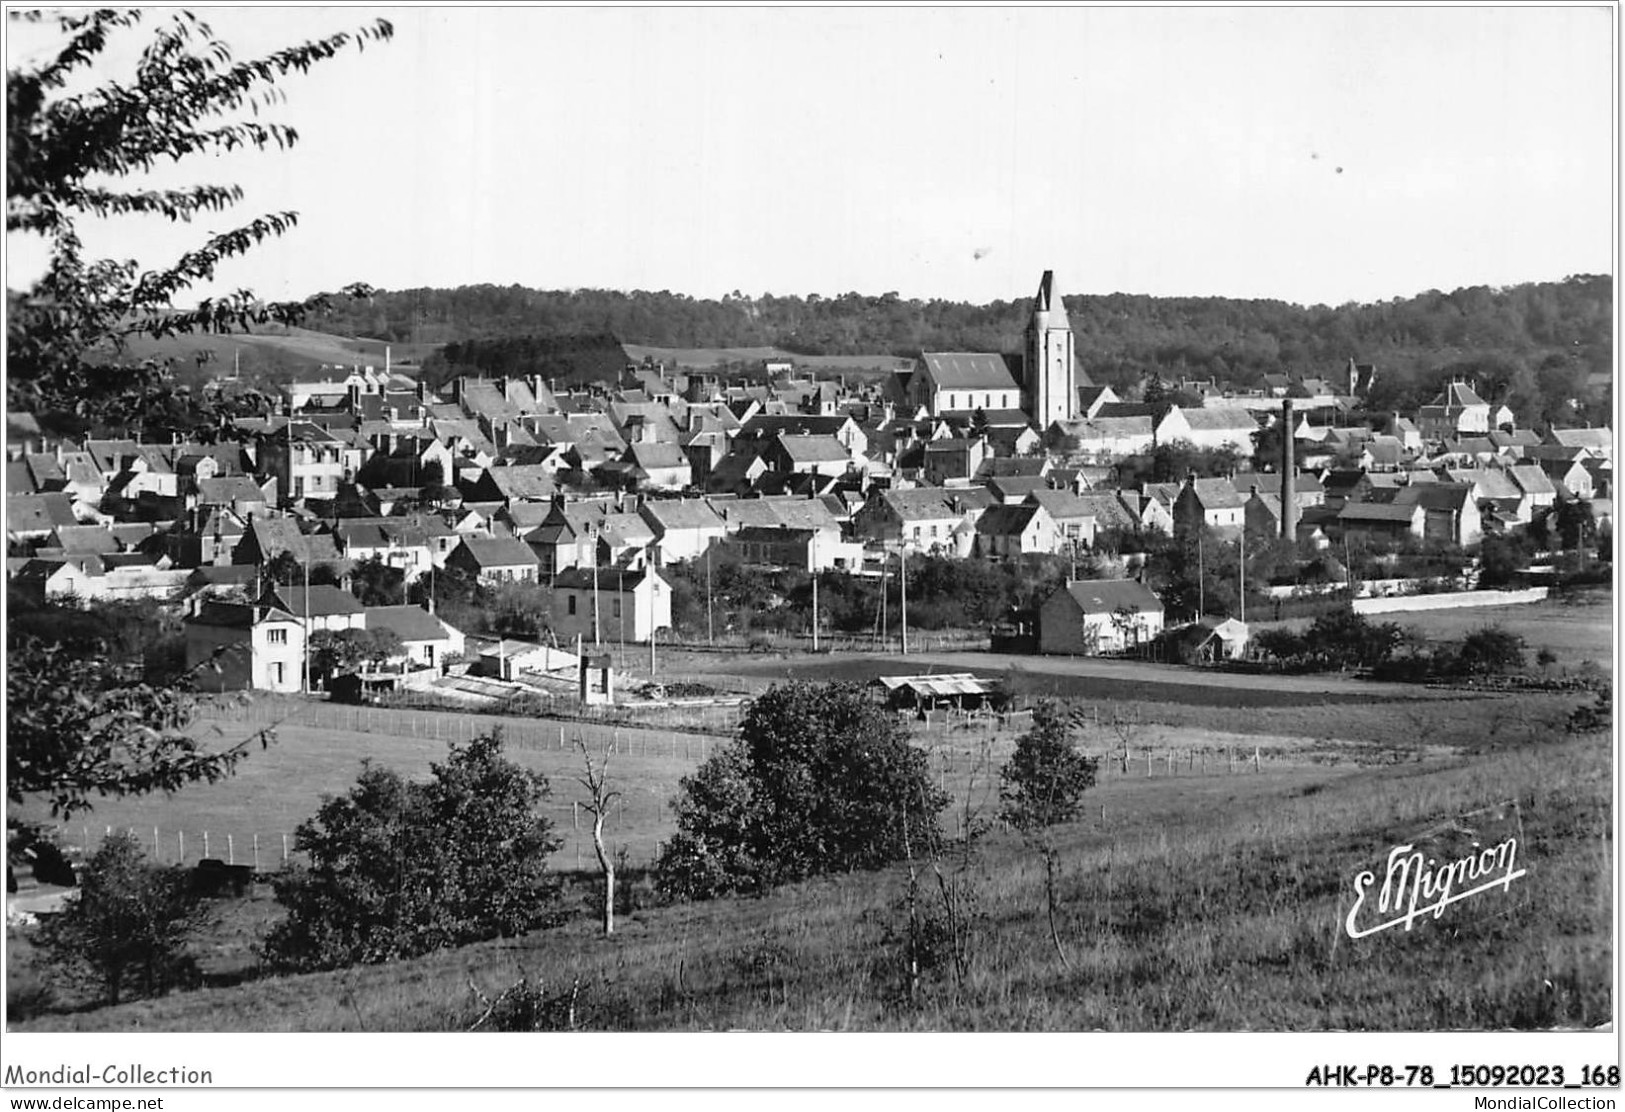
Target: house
495,559
1104,438
816,455
1450,513
322,607
800,549
1007,532
581,534
231,646
1457,411
1209,639
659,466
1209,503
683,527
922,518
1211,427
608,604
1090,616
426,641
311,460
1599,442
954,458
1386,520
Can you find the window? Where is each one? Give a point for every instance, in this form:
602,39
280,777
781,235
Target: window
276,637
616,613
570,604
279,672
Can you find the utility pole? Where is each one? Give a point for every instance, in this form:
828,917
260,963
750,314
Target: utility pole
1201,581
710,625
815,609
651,648
1241,572
903,560
885,585
307,620
597,638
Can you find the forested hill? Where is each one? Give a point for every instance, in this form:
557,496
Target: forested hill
1542,342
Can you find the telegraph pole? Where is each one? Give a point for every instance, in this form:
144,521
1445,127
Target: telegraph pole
815,609
903,559
1241,572
710,625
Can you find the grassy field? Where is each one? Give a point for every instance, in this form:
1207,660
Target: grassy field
1576,627
1196,904
704,358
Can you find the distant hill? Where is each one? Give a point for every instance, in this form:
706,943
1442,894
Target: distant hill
1538,346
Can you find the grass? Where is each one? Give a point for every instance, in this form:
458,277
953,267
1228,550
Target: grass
1576,627
1204,903
277,788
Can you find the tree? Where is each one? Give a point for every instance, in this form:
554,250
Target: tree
71,151
822,780
79,724
398,869
1044,781
345,650
375,583
600,799
126,926
1490,650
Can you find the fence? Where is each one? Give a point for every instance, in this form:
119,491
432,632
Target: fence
637,825
626,732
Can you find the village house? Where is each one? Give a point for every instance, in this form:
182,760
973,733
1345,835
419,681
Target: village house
1209,503
920,519
232,646
683,528
493,560
426,641
608,604
1005,533
1085,617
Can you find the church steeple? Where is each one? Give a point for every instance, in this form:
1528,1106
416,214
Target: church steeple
1052,389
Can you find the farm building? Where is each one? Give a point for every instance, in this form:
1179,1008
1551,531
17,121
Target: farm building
959,690
1089,616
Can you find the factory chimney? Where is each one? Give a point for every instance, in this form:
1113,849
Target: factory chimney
1289,476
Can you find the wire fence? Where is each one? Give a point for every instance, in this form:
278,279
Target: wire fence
673,731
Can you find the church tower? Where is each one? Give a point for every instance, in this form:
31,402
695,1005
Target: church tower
1051,385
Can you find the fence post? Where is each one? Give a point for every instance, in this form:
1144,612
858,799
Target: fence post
1257,760
284,851
256,853
1148,760
205,843
180,839
1170,762
231,850
155,854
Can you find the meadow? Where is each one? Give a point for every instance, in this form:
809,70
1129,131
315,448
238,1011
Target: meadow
1194,903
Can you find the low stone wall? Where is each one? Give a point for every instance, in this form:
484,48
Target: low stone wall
1447,600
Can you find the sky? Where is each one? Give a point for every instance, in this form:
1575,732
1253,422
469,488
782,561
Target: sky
1308,154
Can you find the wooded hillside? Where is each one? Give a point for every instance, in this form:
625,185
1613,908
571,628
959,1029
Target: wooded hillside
1535,346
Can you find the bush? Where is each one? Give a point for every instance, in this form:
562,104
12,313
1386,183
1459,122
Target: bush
821,780
127,925
399,869
1490,651
1044,781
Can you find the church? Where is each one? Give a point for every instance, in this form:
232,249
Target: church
1040,384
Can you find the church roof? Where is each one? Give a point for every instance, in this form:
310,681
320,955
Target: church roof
960,370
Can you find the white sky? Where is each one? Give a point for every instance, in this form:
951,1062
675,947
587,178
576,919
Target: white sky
1190,151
